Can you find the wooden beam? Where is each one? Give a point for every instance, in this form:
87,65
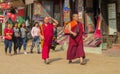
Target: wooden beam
61,13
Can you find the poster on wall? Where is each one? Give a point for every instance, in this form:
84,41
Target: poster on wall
90,27
66,11
112,18
48,7
39,12
80,10
21,11
80,5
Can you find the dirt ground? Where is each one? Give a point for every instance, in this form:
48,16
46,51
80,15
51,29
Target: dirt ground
33,64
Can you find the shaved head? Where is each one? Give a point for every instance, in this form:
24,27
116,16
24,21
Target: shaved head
75,17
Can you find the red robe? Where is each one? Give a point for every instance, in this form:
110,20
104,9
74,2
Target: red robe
48,35
75,49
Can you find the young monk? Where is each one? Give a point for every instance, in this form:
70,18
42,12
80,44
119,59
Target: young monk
75,49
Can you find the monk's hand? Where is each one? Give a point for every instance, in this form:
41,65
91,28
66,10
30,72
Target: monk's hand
42,37
73,33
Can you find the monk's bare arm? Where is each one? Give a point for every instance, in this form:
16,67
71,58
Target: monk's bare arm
55,21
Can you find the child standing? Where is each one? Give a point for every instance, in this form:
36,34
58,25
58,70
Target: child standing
23,31
35,32
8,32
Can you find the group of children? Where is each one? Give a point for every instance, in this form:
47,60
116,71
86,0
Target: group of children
16,35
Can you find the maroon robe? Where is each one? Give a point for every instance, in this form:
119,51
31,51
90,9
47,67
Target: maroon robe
76,49
48,35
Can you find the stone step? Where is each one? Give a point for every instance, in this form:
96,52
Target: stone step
95,50
116,46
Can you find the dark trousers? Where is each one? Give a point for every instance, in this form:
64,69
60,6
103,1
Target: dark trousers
17,43
8,44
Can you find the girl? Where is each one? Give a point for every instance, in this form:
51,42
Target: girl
23,31
8,32
16,38
35,32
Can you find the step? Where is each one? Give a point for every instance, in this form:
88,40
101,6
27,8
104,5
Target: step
95,50
116,46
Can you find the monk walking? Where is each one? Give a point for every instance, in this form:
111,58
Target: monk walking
75,49
47,30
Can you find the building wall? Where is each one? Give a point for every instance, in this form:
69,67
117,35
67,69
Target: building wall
104,8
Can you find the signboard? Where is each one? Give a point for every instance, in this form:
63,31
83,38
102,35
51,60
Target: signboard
5,5
89,23
112,18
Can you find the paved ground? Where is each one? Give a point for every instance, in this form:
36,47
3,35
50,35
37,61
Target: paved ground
33,64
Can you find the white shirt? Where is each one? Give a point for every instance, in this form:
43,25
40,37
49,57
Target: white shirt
35,31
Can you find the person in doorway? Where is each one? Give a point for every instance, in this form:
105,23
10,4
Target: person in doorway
17,38
47,28
24,31
8,32
35,32
75,49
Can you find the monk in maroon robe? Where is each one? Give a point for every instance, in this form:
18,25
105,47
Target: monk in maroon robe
47,28
75,49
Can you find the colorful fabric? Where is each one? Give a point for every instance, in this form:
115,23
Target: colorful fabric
66,11
97,33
